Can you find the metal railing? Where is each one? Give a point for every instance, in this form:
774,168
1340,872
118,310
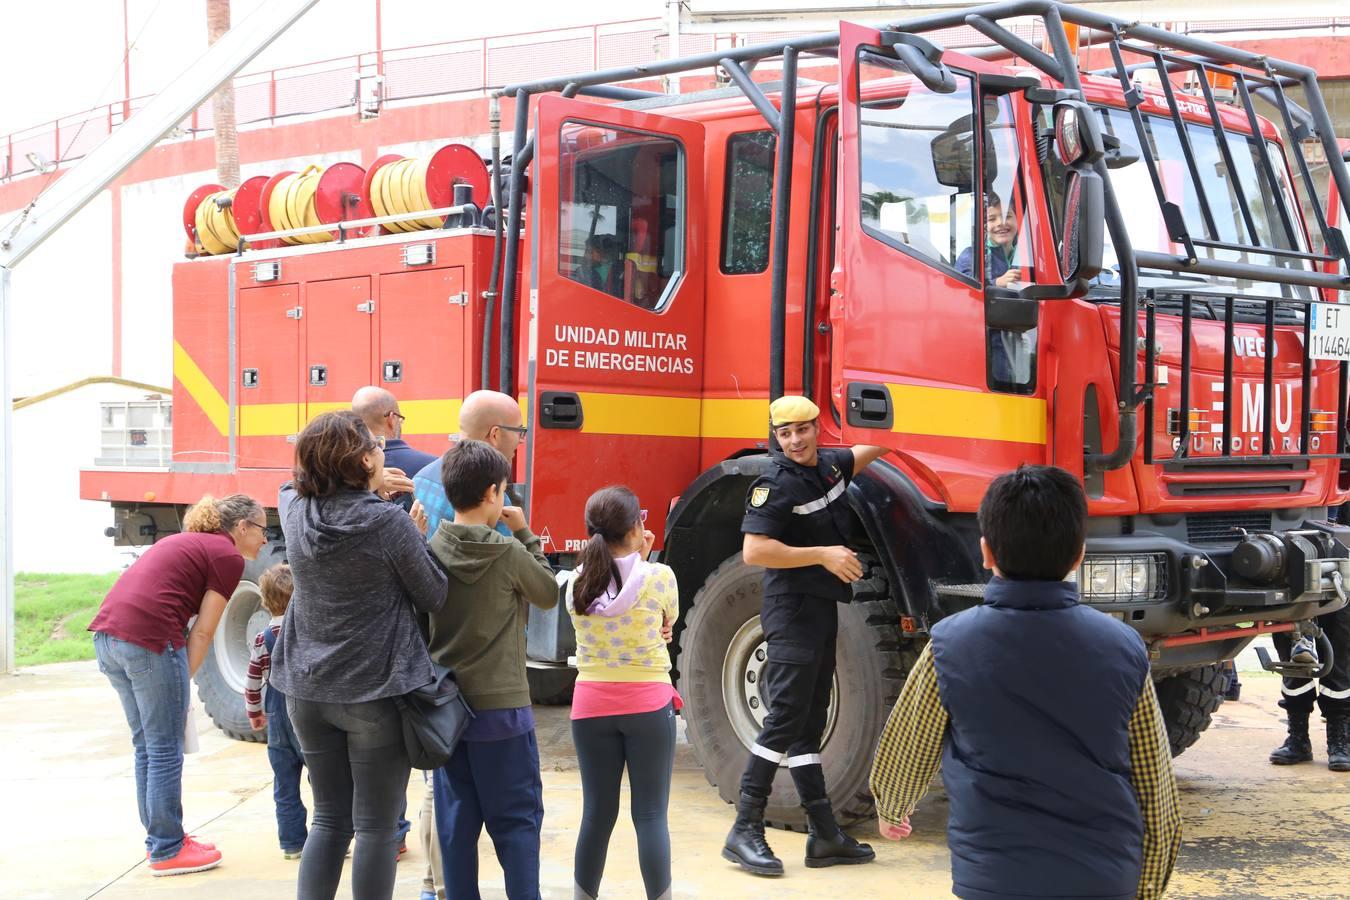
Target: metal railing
478,65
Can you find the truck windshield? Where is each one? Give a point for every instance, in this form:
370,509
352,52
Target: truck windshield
1134,192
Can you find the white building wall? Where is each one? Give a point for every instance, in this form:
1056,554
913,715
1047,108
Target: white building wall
55,530
62,309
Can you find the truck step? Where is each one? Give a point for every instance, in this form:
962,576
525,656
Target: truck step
961,591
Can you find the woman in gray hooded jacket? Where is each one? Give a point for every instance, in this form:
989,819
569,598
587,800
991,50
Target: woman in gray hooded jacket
348,646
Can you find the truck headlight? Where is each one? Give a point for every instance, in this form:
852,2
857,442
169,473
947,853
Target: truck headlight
1115,579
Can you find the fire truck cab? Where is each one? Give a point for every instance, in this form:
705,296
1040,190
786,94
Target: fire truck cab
977,260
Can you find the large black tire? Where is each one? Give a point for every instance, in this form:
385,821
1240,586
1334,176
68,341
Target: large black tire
220,680
718,655
1188,701
550,685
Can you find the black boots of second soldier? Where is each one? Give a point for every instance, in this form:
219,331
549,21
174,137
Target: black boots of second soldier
1297,747
746,845
828,845
1338,743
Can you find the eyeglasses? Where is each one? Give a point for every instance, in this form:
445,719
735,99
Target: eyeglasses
518,429
262,527
398,415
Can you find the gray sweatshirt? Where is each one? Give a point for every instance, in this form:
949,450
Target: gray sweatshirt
360,567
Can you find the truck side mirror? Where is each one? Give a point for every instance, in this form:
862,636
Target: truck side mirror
1079,146
1080,255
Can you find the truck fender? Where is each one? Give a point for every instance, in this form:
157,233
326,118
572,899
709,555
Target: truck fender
916,542
704,527
911,537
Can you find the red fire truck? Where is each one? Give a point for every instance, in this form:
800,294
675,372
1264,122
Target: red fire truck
1096,259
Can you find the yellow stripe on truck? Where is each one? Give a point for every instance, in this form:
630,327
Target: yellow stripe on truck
283,419
637,414
919,410
945,412
440,417
200,389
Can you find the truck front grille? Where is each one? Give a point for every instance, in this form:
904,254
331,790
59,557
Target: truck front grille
1221,527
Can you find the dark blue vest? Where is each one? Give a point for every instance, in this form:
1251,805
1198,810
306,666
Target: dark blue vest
1040,691
274,701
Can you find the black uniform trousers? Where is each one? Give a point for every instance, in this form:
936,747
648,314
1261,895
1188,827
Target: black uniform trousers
797,678
1332,693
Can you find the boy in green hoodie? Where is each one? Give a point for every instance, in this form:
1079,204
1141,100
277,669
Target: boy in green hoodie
493,777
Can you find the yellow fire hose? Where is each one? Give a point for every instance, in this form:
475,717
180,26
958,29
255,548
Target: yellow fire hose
292,206
401,187
217,231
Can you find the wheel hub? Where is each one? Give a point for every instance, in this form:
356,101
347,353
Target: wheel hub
743,692
244,617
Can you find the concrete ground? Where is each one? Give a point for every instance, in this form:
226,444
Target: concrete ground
68,826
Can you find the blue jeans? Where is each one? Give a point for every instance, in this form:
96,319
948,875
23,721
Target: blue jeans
153,688
283,752
493,783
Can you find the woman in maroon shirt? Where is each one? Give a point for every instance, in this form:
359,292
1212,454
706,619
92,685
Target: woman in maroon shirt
146,649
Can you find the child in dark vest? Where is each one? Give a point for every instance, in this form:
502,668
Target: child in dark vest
1042,716
267,709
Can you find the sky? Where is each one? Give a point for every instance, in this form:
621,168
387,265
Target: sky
58,68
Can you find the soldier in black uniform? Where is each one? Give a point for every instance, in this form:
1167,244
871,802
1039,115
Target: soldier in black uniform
795,520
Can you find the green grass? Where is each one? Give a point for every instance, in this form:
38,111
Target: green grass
51,613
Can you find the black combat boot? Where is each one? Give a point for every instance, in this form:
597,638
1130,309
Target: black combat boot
746,845
1297,747
1338,743
828,845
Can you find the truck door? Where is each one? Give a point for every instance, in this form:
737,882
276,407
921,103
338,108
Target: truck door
921,238
616,332
337,317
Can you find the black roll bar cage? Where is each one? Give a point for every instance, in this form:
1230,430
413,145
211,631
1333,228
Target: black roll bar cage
1163,49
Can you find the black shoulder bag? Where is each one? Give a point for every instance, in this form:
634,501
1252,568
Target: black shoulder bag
434,718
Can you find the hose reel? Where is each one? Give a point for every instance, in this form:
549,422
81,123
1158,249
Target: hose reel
314,196
214,217
397,185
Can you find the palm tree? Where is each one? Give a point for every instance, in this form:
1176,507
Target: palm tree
222,103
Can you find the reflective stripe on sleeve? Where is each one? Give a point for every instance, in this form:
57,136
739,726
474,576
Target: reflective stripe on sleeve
815,505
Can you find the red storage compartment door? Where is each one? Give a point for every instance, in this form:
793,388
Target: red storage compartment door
423,358
269,388
338,328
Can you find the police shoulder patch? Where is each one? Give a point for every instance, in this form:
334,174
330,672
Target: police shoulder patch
759,496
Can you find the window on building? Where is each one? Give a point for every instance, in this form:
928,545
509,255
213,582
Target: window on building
918,161
622,217
747,209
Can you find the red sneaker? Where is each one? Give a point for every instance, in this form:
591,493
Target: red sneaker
205,845
402,851
192,857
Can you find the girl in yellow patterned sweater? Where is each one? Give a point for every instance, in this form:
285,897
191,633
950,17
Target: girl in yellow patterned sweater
623,708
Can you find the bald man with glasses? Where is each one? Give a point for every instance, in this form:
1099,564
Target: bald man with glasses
489,416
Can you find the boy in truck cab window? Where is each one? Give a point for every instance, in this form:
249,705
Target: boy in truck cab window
599,267
1041,714
1000,245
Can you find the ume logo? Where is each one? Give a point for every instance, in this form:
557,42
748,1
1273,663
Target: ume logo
1252,424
